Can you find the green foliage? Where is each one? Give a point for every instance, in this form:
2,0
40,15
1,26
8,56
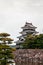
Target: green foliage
5,50
32,42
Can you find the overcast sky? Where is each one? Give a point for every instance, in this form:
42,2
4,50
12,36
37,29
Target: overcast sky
14,14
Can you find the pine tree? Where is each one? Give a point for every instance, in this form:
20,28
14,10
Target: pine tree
5,51
33,42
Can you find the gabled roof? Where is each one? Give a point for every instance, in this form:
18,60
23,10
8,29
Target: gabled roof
24,32
19,41
28,25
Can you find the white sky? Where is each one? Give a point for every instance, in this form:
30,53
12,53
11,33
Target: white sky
14,13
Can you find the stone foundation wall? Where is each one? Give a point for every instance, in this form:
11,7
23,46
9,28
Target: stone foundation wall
30,55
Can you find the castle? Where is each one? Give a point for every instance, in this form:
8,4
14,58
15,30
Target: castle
28,28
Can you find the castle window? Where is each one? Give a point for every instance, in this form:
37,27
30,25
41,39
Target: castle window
21,39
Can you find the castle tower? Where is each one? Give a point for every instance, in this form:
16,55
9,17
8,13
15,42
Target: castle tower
28,28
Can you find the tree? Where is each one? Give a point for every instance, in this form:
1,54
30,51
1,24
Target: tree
5,50
32,42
